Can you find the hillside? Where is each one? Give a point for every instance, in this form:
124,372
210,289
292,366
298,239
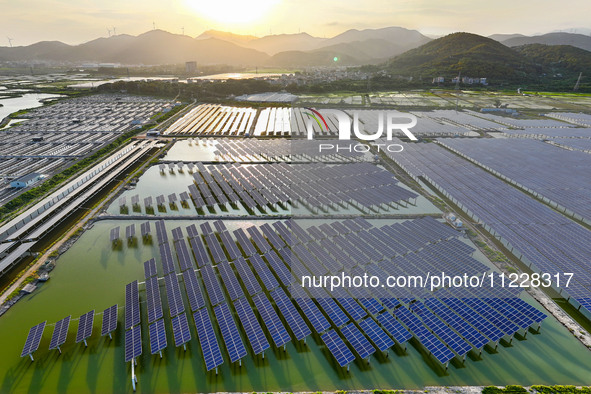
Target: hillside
575,40
558,58
470,54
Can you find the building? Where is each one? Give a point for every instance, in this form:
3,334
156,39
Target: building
190,67
25,180
438,80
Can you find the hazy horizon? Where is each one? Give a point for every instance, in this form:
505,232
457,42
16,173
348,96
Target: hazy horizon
81,21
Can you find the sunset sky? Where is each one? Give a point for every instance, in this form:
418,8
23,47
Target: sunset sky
78,21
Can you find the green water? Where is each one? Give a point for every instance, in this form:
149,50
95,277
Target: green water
91,275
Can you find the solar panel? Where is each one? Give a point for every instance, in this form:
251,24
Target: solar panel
201,256
252,328
150,268
230,333
244,242
135,199
114,234
359,342
194,293
145,229
173,293
209,343
130,231
334,312
154,301
85,326
180,329
109,320
167,261
133,343
337,348
148,202
264,272
220,226
161,233
230,245
157,337
177,234
250,282
231,283
132,305
271,319
282,272
294,320
315,317
60,332
215,248
33,339
394,328
376,334
260,242
183,254
212,285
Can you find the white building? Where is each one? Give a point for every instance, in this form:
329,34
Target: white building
25,180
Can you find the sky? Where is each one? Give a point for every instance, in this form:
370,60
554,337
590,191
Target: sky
78,21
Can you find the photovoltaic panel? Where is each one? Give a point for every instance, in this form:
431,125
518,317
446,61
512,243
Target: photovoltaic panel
394,328
220,226
271,319
315,317
148,201
252,328
132,305
60,332
281,270
250,282
215,248
334,312
212,285
230,333
359,342
180,329
260,242
194,293
206,228
145,229
114,234
166,258
230,281
337,348
33,339
207,339
150,268
130,231
244,242
183,254
85,326
376,334
173,293
133,343
230,245
161,233
177,234
109,320
294,320
157,336
201,256
272,236
264,272
154,302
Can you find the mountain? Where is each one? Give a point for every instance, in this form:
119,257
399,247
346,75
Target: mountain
237,39
558,58
403,38
504,37
313,58
153,47
576,40
285,42
470,54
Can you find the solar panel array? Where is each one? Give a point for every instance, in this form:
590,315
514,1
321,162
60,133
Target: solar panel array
85,326
133,343
180,329
157,336
154,302
230,333
60,332
338,348
209,343
109,320
252,328
271,319
33,339
132,305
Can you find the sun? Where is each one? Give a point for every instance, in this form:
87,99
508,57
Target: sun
232,11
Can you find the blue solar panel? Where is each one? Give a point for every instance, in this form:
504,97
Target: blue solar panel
359,342
376,334
183,254
394,328
161,233
215,248
296,324
180,329
157,336
334,312
194,293
244,242
250,282
212,285
506,326
315,317
272,236
230,333
166,258
230,281
209,343
282,272
252,328
60,332
132,305
133,343
271,319
150,268
109,320
264,272
260,242
173,293
154,301
483,325
85,326
33,339
351,307
337,347
201,256
230,246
